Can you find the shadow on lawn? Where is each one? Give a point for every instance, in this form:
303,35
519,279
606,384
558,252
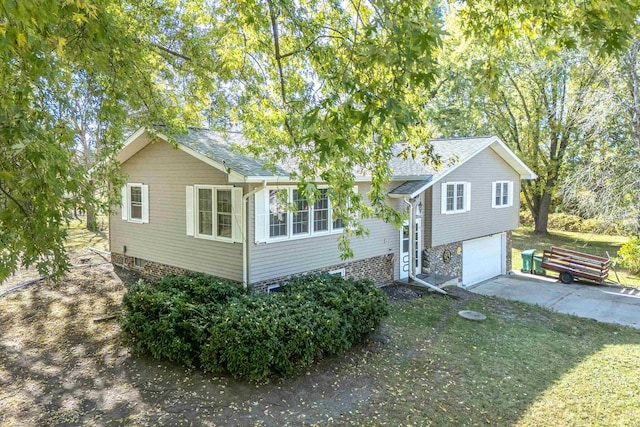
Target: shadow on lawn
58,366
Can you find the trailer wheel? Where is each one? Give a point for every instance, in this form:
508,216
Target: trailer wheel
566,277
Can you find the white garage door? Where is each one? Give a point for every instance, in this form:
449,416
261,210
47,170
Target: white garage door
483,258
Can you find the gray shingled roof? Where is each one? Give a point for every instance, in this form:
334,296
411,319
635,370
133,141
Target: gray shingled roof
451,152
219,147
410,187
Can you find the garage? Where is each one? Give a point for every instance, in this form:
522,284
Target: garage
483,258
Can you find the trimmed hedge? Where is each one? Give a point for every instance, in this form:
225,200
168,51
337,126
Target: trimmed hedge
251,336
169,319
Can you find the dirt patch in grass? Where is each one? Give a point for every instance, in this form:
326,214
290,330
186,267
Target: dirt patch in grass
397,294
59,366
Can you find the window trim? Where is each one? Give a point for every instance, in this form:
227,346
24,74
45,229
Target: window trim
138,263
290,235
273,288
466,194
337,272
143,202
287,212
214,212
217,214
509,203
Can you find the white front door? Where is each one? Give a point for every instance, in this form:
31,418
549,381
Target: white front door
404,249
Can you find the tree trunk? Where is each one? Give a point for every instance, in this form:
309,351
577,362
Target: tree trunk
92,224
542,216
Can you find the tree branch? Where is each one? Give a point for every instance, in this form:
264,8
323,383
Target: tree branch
6,193
276,47
170,52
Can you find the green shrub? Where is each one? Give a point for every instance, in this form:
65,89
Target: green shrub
169,319
252,336
629,255
314,316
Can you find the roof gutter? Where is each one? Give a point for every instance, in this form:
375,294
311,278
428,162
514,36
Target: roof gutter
412,203
245,237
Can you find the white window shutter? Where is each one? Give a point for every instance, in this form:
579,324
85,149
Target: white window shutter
510,193
124,206
261,226
467,196
236,210
493,194
443,198
145,204
189,209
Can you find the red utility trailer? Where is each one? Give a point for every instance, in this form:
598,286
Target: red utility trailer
574,265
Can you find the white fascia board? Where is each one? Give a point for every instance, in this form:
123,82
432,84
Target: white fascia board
268,178
503,151
438,177
514,161
235,177
132,145
285,179
135,143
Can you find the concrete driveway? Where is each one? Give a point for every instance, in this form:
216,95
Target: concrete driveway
603,303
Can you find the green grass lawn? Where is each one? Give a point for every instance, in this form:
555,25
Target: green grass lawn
596,244
524,366
78,237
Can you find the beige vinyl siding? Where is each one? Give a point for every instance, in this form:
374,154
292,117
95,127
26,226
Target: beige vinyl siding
277,259
167,172
427,215
482,220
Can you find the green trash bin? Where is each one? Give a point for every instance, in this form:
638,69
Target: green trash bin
537,265
527,260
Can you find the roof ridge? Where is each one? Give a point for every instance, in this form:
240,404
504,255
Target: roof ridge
462,137
193,128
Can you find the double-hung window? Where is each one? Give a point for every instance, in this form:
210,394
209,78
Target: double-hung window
224,214
205,212
321,212
300,220
278,215
214,212
135,203
456,197
502,196
285,213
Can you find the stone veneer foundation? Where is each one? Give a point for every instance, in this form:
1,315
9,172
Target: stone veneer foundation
379,269
433,259
509,251
149,269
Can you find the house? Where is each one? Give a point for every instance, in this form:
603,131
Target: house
203,207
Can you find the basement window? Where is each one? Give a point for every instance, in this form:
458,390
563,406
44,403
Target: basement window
338,272
138,263
273,288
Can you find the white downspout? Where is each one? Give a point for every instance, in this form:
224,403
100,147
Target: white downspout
245,237
412,248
